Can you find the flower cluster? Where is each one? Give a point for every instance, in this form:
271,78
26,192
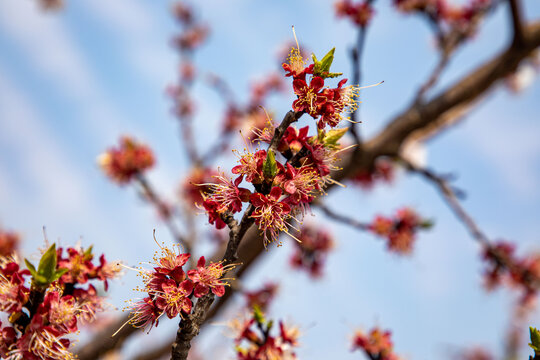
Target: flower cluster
454,17
312,250
9,242
261,297
194,33
399,230
327,105
503,266
123,163
383,171
376,344
48,303
284,188
255,342
169,288
359,13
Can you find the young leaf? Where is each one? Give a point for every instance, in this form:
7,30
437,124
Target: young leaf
535,340
258,315
47,264
58,274
427,224
322,68
269,165
332,137
31,268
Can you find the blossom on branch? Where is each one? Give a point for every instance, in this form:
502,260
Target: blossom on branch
123,163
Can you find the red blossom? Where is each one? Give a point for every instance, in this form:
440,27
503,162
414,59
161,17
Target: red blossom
312,250
251,166
123,163
310,98
270,213
399,231
377,344
208,278
175,298
359,13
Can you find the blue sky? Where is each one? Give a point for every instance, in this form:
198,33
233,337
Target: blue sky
72,82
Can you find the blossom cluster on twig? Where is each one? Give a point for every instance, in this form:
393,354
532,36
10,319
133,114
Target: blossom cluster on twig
47,303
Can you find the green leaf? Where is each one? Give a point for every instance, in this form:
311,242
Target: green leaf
88,252
258,315
269,326
31,268
269,165
322,68
332,137
535,340
47,266
427,224
58,274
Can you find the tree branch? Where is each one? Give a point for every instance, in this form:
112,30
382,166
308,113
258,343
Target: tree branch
342,218
190,326
517,22
418,121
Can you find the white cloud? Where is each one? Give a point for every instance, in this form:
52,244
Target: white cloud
137,28
39,155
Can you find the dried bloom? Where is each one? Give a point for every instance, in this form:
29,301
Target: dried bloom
209,278
123,163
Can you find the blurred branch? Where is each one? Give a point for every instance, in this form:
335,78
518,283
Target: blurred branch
164,211
451,199
453,202
342,218
517,22
434,77
356,59
424,120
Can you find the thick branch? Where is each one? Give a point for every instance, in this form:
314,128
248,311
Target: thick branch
517,22
453,101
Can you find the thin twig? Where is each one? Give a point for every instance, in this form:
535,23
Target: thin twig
356,59
163,210
434,77
451,199
342,218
